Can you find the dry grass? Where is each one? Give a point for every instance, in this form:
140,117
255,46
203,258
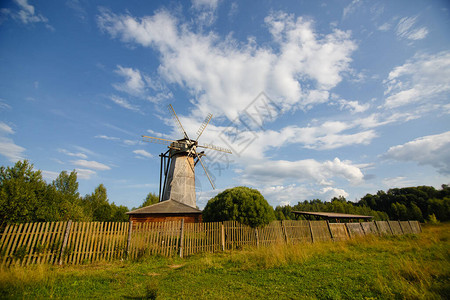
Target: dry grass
397,267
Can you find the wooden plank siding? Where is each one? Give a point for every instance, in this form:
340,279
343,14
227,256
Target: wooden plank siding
355,229
369,228
339,231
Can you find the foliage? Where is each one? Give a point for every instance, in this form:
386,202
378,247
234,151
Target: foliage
395,267
241,204
26,197
338,205
97,206
150,199
22,190
411,203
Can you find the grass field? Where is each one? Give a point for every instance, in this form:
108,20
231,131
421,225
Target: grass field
399,267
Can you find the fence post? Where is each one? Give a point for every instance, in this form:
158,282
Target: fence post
257,239
329,229
223,237
390,228
181,238
285,232
130,229
311,231
64,244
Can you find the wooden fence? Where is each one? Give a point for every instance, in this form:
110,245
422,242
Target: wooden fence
82,242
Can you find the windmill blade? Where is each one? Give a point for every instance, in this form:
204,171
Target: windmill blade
203,126
217,148
157,140
206,172
177,121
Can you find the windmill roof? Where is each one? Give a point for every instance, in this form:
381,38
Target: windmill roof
166,207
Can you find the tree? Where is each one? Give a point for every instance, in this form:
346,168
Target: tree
22,191
97,206
62,202
150,199
241,204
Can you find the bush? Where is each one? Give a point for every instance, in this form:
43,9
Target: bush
242,204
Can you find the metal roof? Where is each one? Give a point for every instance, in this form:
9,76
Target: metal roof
166,207
331,215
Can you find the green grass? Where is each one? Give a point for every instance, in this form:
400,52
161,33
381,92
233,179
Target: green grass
399,267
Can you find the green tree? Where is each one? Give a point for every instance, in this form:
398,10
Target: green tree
150,199
415,213
242,204
118,213
97,205
98,208
62,202
22,191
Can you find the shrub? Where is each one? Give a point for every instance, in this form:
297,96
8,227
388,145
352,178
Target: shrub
241,204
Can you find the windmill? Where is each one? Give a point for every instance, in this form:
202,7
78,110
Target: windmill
178,163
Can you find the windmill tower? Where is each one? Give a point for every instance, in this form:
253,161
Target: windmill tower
178,164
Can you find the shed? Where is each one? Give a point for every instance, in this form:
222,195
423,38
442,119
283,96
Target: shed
330,216
168,210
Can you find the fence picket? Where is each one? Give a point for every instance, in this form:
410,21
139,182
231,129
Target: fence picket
53,242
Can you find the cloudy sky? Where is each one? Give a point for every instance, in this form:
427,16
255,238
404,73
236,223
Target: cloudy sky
316,99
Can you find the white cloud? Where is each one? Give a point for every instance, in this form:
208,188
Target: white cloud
142,154
4,128
224,75
4,106
423,79
7,146
49,175
131,142
301,170
91,165
406,29
398,182
428,150
351,8
205,11
27,14
353,106
85,173
9,149
292,194
384,27
105,137
331,192
66,152
85,150
134,83
124,103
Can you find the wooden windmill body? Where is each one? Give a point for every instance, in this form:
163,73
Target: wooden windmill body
178,164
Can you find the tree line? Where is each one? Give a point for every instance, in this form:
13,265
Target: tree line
336,205
26,197
412,203
422,203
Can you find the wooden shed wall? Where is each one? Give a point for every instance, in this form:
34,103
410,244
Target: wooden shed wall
188,218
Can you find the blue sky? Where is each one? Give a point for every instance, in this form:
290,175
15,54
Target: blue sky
316,98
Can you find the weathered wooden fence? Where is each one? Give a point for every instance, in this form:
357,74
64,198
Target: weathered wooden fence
81,242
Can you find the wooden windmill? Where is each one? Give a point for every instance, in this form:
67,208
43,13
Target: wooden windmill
178,164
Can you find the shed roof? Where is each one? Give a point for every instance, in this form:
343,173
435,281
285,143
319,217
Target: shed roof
331,215
166,207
